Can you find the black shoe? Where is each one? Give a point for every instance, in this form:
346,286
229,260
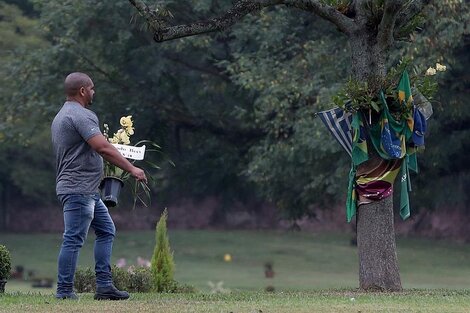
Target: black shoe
69,296
110,293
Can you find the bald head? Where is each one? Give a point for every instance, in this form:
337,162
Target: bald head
75,81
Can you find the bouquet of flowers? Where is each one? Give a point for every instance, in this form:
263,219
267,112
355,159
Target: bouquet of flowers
357,95
140,189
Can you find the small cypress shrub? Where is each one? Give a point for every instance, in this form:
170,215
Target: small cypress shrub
162,265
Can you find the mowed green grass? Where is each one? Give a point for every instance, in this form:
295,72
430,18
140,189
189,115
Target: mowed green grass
302,261
334,301
313,273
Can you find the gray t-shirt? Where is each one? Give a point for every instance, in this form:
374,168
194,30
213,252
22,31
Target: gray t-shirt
79,167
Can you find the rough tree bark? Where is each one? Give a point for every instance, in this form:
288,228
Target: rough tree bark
378,266
378,262
370,27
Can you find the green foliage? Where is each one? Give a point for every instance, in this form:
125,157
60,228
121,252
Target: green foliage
5,262
234,110
162,264
140,280
121,277
24,150
84,280
285,63
134,279
445,39
356,95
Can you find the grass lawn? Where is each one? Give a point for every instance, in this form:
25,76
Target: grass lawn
337,301
301,261
313,273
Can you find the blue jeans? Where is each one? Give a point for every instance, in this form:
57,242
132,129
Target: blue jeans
81,212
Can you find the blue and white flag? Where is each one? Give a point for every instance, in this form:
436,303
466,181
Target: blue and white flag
338,123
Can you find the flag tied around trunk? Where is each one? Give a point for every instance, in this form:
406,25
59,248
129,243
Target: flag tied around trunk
395,141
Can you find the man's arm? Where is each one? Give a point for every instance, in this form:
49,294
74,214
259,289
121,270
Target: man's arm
111,154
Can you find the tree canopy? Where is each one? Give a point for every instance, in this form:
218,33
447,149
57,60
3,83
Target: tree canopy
234,110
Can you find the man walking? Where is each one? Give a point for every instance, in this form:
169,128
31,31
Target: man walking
79,148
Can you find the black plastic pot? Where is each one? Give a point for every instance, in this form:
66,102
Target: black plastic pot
110,189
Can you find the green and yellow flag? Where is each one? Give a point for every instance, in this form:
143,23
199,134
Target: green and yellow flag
406,98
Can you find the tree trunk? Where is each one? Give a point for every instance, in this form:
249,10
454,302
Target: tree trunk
378,262
367,59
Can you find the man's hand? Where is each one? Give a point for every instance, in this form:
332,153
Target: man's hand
138,174
111,154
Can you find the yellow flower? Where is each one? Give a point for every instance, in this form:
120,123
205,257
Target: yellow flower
227,257
120,137
130,131
431,71
440,67
126,121
123,137
114,139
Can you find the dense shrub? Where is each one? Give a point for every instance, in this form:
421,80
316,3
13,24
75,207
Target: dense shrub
137,279
85,280
134,279
140,280
5,262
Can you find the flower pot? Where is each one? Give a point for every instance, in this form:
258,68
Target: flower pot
110,189
2,285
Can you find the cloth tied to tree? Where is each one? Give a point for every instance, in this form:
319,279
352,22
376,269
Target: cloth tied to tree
395,142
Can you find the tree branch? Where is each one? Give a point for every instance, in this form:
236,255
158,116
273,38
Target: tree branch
329,13
235,14
409,11
145,11
387,25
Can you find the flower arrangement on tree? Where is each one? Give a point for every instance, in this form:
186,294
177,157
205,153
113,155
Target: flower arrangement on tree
388,123
357,95
140,189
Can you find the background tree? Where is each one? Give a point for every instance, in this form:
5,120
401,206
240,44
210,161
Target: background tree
371,27
21,147
225,106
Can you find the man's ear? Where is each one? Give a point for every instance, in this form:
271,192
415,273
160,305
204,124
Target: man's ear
82,91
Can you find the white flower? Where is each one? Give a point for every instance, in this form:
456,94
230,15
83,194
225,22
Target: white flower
431,71
440,67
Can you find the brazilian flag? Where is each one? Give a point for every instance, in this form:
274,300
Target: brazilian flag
359,147
406,98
